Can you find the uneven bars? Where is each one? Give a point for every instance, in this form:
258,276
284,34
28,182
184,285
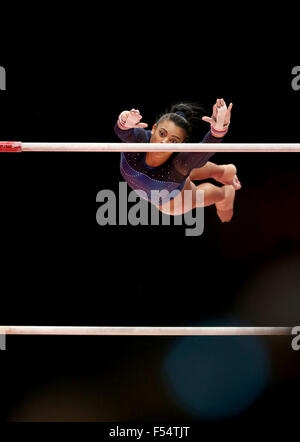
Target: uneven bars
142,331
147,147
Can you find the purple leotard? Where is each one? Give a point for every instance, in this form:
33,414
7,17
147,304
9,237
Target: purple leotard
171,175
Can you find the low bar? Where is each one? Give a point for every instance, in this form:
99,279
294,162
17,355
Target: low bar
143,331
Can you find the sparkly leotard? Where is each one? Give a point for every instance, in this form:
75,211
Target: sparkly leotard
169,176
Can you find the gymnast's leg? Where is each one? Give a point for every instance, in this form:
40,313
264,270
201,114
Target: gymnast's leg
225,174
222,197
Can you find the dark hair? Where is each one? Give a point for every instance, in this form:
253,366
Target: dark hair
192,116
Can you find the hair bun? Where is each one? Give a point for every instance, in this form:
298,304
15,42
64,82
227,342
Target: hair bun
183,108
182,114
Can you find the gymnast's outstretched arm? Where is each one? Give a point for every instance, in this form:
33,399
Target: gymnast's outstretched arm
129,129
219,122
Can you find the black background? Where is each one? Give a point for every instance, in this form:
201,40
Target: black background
68,81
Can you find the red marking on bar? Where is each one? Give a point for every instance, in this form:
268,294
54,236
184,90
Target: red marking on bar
10,146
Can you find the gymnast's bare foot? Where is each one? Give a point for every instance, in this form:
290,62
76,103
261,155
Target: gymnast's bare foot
225,207
229,176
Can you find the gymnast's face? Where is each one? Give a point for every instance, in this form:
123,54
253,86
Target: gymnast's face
167,132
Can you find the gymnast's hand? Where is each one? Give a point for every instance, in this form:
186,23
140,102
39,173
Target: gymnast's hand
220,119
130,119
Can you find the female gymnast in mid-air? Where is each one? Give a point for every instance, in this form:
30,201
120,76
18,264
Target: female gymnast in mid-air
177,171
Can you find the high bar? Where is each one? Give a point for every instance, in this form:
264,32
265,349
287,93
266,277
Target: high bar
142,331
158,147
147,147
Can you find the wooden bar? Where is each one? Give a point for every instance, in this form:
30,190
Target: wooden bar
143,331
159,147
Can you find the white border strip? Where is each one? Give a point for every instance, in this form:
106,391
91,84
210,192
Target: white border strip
158,147
144,331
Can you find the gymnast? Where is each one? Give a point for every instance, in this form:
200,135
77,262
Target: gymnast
176,172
